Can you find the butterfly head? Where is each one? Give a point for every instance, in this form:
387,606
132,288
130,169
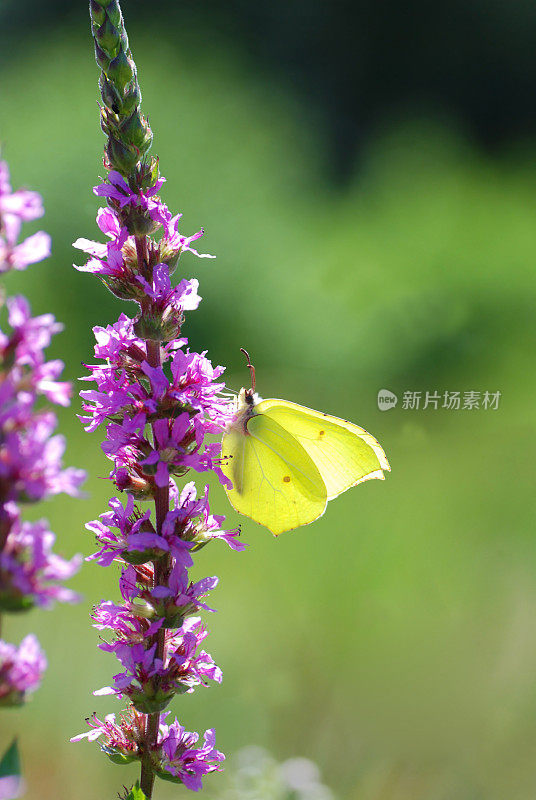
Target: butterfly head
248,398
246,401
245,409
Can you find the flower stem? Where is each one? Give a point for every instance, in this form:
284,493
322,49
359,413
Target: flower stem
5,527
161,570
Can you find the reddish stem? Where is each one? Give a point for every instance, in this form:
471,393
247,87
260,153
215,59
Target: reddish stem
161,567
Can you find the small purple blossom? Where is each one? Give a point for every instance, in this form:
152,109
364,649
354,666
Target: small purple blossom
181,297
119,738
16,208
184,761
21,669
117,189
30,573
174,240
124,532
192,515
31,463
106,259
11,787
175,598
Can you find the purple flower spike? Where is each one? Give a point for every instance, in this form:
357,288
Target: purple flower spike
31,467
158,402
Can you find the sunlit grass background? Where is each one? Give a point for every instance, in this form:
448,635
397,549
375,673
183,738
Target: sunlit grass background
393,641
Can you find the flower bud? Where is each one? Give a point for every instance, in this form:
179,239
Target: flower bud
148,701
107,36
121,70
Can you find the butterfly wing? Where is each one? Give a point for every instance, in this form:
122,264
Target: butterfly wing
344,453
275,482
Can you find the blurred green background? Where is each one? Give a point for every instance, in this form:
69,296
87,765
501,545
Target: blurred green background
393,641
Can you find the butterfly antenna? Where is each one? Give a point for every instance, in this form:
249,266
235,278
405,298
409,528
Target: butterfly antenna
250,367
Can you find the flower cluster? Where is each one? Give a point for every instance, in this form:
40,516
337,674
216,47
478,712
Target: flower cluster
30,455
176,759
157,402
30,573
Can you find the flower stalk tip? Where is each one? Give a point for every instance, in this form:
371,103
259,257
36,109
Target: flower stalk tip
129,134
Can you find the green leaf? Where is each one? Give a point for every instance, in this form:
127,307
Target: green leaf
11,784
136,793
10,763
117,758
167,776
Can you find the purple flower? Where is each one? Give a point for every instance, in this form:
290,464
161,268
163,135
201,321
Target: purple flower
135,539
173,599
119,738
196,524
16,208
173,439
178,243
180,593
117,189
183,296
21,669
184,761
127,621
30,573
23,348
11,787
23,204
31,462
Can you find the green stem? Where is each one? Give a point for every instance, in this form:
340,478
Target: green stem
162,568
5,527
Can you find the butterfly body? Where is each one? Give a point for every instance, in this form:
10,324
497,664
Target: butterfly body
286,461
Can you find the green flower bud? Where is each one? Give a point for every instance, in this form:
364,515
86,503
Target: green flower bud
148,703
108,37
121,70
97,13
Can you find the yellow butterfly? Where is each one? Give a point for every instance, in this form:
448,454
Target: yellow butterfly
286,461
